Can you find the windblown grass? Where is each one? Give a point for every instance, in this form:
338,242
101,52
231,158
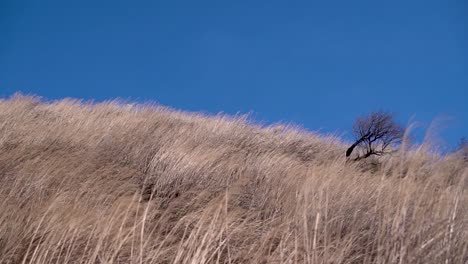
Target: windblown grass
117,183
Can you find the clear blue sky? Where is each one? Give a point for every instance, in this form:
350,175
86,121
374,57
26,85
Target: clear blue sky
314,63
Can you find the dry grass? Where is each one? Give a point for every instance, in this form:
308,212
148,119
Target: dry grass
114,183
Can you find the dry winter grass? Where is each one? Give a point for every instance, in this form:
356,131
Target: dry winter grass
115,183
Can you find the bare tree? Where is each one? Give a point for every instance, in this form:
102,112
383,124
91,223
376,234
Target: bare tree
375,133
463,148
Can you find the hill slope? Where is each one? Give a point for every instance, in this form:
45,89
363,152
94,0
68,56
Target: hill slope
117,183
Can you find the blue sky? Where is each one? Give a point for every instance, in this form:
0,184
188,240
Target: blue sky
318,64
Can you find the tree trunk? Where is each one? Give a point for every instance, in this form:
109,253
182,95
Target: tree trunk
350,149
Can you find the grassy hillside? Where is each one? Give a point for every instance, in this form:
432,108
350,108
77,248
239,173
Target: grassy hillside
117,183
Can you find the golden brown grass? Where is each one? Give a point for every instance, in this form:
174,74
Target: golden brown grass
115,183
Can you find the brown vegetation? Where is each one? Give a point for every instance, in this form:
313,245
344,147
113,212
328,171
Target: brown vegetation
109,183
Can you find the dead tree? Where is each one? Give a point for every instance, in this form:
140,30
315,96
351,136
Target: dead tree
374,134
463,149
